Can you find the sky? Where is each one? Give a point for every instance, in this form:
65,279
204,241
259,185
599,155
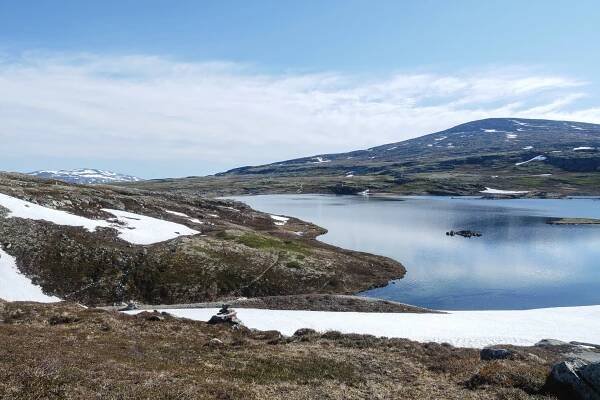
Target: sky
162,88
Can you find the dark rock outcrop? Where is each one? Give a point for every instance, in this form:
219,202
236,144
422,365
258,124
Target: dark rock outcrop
576,379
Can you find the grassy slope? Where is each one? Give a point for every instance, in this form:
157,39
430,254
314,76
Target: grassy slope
65,352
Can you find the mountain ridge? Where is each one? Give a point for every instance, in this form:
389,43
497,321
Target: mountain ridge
539,158
87,176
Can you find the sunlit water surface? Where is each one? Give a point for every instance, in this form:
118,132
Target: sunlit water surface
520,261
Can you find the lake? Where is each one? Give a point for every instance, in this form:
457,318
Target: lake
520,262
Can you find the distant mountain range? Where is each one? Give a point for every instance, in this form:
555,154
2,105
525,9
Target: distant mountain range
86,176
540,157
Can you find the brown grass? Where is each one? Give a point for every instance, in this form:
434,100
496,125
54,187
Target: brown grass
66,352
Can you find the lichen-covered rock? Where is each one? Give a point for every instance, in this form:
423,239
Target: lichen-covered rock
577,379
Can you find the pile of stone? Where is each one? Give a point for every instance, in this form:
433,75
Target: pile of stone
225,316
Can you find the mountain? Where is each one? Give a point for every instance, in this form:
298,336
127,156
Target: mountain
518,137
541,157
86,176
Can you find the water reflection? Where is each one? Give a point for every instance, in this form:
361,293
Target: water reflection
519,262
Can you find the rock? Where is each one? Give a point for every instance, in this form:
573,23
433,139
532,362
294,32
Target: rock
576,379
464,233
214,342
64,318
495,354
150,316
551,342
305,332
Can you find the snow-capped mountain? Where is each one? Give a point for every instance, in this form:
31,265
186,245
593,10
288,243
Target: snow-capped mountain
85,176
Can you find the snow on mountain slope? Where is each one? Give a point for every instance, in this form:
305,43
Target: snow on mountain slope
133,228
85,176
459,328
14,286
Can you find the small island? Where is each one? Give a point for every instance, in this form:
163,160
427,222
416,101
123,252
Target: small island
574,221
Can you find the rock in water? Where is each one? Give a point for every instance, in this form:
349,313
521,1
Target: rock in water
577,379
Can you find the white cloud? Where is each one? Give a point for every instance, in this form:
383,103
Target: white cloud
224,114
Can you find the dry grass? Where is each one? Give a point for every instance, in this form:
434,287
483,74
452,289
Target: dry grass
65,352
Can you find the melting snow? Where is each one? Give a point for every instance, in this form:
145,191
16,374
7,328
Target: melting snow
583,148
500,191
459,328
279,220
536,158
134,228
179,214
14,286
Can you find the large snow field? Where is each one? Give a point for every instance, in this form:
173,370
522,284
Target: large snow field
15,286
134,228
459,328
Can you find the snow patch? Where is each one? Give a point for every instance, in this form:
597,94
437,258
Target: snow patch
440,138
459,328
536,158
392,148
179,214
134,228
527,147
14,286
583,148
140,229
279,220
500,191
320,160
511,136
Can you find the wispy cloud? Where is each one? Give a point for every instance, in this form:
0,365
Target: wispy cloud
225,115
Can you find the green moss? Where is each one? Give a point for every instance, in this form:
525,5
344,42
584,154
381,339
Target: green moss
268,371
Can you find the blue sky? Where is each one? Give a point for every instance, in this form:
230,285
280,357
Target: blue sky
163,88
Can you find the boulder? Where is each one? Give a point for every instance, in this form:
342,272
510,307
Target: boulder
577,379
488,354
551,342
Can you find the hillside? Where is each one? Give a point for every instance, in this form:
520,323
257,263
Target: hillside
542,157
104,245
64,351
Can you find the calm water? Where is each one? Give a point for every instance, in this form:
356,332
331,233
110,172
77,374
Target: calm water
520,262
